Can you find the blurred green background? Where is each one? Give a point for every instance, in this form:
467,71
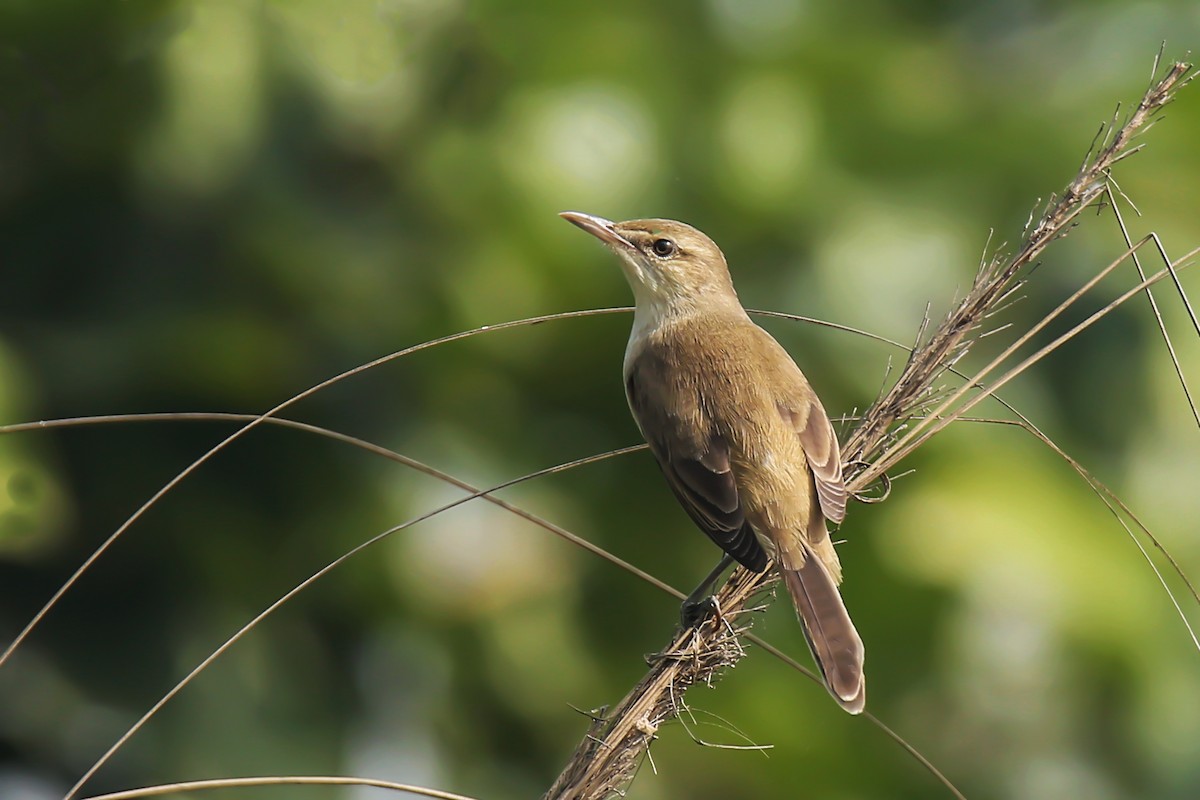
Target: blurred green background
210,206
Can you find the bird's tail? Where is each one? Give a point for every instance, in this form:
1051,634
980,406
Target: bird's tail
831,636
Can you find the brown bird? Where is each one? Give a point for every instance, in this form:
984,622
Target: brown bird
740,435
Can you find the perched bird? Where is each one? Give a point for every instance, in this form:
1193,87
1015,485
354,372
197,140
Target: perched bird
740,435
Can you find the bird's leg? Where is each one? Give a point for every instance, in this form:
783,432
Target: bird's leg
697,604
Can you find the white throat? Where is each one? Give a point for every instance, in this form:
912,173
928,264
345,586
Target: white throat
651,314
655,308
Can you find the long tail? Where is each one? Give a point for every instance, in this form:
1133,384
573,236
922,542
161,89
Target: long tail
831,636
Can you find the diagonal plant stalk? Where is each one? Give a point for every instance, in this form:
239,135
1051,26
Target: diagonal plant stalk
606,760
995,280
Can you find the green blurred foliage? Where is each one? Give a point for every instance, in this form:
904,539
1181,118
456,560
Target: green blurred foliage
210,206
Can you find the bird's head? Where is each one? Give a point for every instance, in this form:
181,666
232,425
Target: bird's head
667,263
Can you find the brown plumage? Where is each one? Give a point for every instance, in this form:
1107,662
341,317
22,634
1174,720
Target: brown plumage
740,435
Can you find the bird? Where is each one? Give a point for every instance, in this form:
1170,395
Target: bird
737,430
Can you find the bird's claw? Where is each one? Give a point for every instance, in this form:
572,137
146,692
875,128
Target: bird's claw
692,613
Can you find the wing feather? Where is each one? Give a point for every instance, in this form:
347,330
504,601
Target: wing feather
820,444
695,461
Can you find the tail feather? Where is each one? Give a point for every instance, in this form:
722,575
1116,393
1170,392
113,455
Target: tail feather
831,636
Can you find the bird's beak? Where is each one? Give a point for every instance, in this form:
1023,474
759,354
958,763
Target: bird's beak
603,229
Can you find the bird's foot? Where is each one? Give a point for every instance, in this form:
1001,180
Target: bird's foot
694,612
701,602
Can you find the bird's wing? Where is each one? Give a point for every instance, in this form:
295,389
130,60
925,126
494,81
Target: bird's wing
820,444
696,465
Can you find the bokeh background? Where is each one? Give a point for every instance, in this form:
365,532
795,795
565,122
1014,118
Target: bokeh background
210,206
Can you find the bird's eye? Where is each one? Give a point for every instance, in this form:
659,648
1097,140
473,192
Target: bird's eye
663,247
